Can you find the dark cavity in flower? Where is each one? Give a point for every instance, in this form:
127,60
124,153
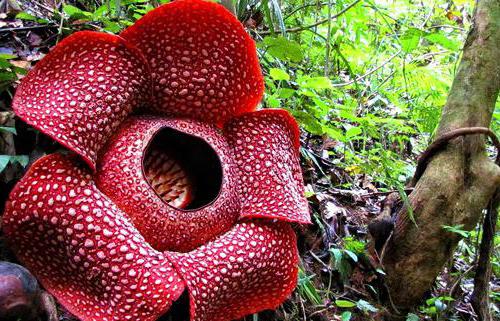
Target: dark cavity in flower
184,170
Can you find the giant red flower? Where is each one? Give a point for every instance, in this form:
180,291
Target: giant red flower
176,182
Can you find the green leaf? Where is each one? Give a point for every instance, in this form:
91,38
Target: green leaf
112,26
346,316
285,93
7,76
26,16
412,317
457,229
7,56
366,306
353,132
283,48
334,134
411,39
316,83
310,123
345,304
76,13
353,256
273,101
279,74
354,245
22,160
307,289
442,40
4,161
11,130
5,64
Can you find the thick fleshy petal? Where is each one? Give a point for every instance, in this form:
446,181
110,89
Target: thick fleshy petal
265,144
83,89
252,267
83,249
203,62
121,176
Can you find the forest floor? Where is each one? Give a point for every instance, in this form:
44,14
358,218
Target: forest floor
339,278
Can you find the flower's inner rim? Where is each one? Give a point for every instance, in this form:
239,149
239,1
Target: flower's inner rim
183,170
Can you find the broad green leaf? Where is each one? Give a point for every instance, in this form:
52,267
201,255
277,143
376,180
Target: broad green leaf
283,48
76,13
353,132
316,83
5,64
410,39
443,41
7,76
4,161
26,16
273,102
310,123
345,304
279,74
7,56
412,317
22,160
11,130
346,315
352,255
285,93
112,26
334,133
366,306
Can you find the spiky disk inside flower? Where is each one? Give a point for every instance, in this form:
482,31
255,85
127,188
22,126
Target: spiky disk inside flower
206,158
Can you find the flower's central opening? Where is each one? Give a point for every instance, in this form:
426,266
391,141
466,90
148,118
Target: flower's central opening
184,170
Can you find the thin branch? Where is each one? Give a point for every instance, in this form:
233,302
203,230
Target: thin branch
317,23
368,73
328,36
303,7
28,28
447,26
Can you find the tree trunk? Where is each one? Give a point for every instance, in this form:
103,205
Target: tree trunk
460,180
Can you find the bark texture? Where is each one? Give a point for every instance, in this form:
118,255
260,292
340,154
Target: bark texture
460,180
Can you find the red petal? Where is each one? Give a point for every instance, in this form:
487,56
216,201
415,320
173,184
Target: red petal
252,267
120,175
82,90
83,249
266,146
204,63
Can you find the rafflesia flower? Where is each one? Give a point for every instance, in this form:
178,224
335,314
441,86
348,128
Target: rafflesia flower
176,183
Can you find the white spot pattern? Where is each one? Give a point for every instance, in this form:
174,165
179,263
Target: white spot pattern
265,145
120,175
204,64
66,97
85,264
252,267
83,248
